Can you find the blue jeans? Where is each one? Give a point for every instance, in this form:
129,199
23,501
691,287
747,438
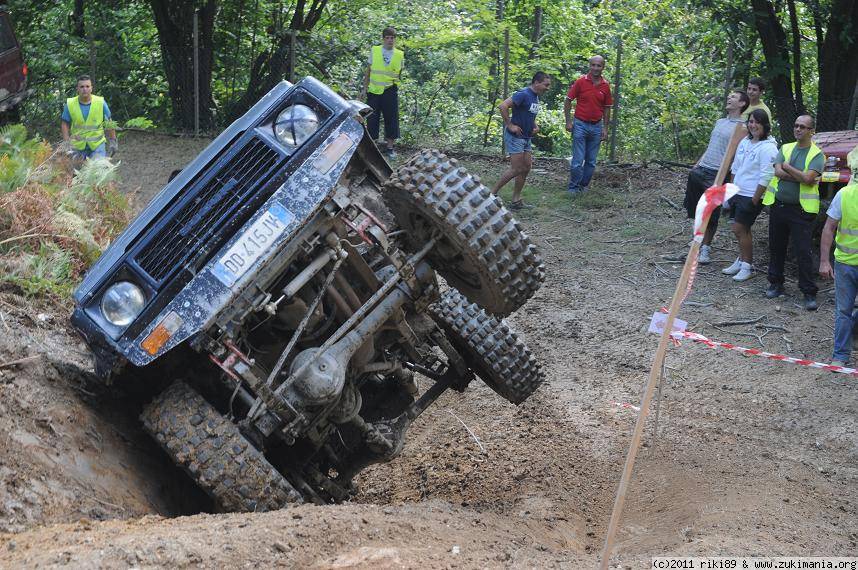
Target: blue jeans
845,289
99,152
585,148
515,145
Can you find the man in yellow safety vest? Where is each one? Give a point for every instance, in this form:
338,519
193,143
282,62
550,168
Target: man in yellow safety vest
793,195
83,120
381,87
842,219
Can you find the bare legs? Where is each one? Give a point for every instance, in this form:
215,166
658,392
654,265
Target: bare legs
519,167
746,243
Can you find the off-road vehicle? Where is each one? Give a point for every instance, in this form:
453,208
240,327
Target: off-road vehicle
282,291
13,71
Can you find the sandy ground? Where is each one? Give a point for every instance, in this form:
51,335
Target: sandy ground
750,458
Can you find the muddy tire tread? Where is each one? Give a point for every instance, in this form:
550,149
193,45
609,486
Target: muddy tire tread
495,352
211,449
510,267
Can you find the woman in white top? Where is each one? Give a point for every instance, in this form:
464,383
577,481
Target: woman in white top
752,170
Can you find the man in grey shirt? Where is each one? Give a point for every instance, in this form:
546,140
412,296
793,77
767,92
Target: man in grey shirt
702,176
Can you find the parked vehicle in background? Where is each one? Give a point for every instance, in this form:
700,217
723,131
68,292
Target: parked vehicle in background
13,71
835,145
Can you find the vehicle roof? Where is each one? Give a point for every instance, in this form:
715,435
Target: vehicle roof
836,143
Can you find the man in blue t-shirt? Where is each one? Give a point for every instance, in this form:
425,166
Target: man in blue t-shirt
519,127
85,137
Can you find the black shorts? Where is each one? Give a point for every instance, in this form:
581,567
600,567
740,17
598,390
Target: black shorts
699,180
743,211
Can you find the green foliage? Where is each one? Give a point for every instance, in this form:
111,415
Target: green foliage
19,156
142,123
53,226
673,63
47,271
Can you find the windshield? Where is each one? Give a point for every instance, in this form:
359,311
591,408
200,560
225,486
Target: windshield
7,38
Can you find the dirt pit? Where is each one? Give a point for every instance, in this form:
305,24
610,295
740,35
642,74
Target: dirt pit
750,458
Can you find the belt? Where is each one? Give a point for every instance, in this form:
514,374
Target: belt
589,122
706,168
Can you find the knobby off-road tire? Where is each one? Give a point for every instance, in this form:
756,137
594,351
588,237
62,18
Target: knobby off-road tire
483,251
489,347
214,453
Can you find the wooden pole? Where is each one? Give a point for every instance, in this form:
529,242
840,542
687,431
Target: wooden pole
506,63
728,73
853,108
293,42
675,302
615,122
196,73
505,78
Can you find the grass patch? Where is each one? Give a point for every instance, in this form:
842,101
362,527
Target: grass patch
54,220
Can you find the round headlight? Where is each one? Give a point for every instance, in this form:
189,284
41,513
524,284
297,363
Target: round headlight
122,302
295,124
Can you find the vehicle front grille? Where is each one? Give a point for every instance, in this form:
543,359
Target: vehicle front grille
202,224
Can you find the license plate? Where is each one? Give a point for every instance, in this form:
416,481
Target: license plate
830,176
252,244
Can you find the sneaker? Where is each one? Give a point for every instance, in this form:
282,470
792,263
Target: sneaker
838,363
390,152
519,205
810,302
733,269
703,258
745,272
774,291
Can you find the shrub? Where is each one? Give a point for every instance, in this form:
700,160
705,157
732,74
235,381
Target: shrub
53,225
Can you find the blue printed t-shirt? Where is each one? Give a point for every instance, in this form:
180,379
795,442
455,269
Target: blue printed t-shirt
84,109
525,106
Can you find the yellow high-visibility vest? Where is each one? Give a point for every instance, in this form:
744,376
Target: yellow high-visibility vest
846,240
808,194
89,132
382,75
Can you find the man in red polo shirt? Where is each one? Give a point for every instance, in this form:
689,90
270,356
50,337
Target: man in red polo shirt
589,128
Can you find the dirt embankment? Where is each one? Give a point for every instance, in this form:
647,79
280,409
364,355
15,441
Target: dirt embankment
750,457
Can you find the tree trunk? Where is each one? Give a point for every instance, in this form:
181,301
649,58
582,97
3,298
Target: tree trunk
536,35
838,67
774,42
271,67
817,29
77,19
175,22
796,57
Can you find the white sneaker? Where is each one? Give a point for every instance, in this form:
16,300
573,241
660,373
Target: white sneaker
744,273
703,258
733,269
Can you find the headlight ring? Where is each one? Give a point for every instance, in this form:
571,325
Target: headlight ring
295,124
122,302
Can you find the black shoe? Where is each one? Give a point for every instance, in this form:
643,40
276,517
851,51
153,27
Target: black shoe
390,152
774,291
810,302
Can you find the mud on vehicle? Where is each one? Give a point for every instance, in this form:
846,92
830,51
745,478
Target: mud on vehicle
282,291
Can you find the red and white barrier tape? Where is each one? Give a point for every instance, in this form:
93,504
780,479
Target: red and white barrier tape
626,406
756,352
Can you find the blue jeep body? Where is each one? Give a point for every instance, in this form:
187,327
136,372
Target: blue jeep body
173,249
